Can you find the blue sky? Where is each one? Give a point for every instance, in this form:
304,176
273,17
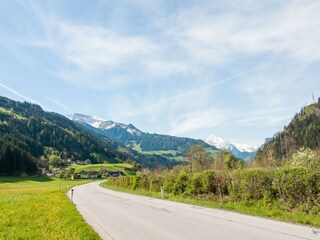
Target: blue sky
235,69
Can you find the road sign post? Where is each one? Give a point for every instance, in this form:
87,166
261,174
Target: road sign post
72,195
162,194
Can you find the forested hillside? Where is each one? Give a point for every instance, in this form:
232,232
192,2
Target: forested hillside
302,132
28,133
165,146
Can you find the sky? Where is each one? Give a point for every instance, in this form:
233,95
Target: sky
237,69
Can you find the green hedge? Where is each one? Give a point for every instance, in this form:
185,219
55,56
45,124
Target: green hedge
294,187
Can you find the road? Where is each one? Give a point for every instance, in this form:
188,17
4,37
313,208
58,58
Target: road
121,216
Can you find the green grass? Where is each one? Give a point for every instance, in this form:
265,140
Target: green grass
125,167
256,208
163,153
137,147
38,208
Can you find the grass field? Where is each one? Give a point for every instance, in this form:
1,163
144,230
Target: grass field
38,208
255,208
126,168
164,153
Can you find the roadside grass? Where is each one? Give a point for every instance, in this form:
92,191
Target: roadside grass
125,167
272,210
38,208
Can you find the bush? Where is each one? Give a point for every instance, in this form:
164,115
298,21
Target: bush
181,183
135,180
195,185
251,184
144,183
155,183
299,186
169,183
208,182
306,158
221,181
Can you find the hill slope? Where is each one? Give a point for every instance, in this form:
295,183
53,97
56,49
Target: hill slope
302,132
28,132
171,147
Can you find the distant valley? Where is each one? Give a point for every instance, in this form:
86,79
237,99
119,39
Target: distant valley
171,147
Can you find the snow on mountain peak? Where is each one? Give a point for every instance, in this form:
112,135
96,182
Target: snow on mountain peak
91,120
222,144
217,142
245,147
101,123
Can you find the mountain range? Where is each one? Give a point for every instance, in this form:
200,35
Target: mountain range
30,135
242,151
171,147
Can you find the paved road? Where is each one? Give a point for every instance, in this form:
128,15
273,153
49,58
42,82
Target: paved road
121,216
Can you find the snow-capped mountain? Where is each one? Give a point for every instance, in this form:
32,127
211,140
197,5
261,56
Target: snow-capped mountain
139,141
217,142
240,150
244,147
102,124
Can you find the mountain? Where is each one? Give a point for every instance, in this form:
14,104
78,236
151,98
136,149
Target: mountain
242,151
171,147
28,134
302,132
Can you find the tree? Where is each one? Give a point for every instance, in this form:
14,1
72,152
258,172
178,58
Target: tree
55,161
218,162
230,161
306,158
198,157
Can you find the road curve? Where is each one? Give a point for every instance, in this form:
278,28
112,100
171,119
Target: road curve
121,216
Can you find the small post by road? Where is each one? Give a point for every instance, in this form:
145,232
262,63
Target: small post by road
72,195
162,194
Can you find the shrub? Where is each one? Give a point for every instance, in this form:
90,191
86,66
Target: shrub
306,158
221,181
135,180
144,183
251,184
208,182
155,183
169,183
181,183
195,185
299,186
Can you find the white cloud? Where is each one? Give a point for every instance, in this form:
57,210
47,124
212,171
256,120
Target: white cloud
90,46
57,102
289,29
176,59
199,120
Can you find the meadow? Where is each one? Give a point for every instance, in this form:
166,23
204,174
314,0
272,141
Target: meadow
38,208
125,167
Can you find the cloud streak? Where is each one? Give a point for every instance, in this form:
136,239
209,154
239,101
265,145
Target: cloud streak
23,96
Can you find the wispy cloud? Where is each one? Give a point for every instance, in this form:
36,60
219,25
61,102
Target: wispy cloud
57,102
182,68
23,96
199,120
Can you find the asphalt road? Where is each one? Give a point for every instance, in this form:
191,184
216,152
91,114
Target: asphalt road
121,216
